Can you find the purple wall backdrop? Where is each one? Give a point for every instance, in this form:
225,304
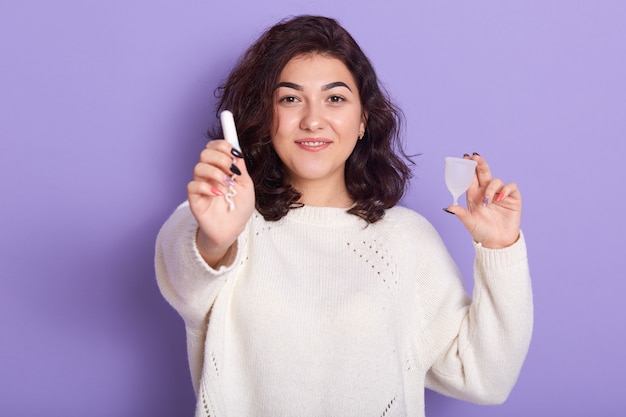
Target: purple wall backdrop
102,111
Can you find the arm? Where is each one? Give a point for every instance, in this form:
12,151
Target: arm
485,351
187,282
484,359
198,241
198,245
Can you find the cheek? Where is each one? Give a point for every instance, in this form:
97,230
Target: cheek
349,125
280,123
285,123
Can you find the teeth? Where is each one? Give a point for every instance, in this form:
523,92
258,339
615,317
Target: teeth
312,143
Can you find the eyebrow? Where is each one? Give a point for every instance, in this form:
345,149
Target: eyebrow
325,87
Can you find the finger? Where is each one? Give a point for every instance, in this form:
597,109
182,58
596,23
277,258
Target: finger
493,187
230,159
217,168
211,173
510,190
223,146
463,215
217,155
219,144
483,172
238,165
203,188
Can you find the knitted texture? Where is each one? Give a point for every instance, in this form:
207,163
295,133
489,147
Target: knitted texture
319,314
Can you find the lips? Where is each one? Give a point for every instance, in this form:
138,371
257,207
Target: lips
310,143
313,144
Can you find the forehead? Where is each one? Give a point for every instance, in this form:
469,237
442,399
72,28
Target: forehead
316,67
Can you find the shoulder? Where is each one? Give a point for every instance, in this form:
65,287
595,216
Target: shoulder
404,217
407,227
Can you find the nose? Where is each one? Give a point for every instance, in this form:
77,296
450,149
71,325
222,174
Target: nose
312,117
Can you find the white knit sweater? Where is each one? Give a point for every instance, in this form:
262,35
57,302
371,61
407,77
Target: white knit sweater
319,315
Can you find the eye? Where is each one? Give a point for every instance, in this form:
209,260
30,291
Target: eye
336,99
288,99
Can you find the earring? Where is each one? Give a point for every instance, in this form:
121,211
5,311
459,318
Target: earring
361,134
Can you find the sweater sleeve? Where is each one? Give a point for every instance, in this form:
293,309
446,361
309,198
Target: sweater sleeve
484,343
188,284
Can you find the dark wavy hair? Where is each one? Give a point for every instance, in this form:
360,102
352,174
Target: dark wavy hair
376,173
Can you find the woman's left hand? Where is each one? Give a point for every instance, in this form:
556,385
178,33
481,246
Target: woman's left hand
494,210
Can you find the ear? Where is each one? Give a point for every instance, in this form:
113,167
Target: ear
363,122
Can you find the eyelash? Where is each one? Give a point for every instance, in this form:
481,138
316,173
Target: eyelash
288,99
332,99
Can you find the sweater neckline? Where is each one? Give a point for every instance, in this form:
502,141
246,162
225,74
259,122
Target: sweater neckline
323,216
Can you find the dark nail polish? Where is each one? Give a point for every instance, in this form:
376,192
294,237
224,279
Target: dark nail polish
235,170
476,154
447,211
235,152
465,155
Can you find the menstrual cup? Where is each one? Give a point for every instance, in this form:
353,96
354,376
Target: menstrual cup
459,176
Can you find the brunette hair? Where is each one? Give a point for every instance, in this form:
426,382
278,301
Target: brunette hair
377,171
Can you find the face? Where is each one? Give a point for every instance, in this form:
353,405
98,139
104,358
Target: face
317,120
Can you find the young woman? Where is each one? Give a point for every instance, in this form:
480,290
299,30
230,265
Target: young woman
317,295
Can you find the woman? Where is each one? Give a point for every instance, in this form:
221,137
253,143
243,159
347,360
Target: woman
317,295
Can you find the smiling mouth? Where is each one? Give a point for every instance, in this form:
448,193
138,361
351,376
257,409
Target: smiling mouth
312,144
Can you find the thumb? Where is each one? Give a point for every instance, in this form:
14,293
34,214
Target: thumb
462,214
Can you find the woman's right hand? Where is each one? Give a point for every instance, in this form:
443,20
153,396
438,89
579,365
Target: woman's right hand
219,227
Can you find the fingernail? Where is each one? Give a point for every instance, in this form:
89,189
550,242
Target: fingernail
499,197
465,155
485,201
217,192
235,170
476,154
447,211
229,181
236,152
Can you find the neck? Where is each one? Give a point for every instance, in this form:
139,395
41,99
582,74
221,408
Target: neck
322,195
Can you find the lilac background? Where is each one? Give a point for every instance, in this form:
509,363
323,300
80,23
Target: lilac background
102,111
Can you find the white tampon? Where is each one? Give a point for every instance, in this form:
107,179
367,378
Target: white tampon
230,134
228,127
